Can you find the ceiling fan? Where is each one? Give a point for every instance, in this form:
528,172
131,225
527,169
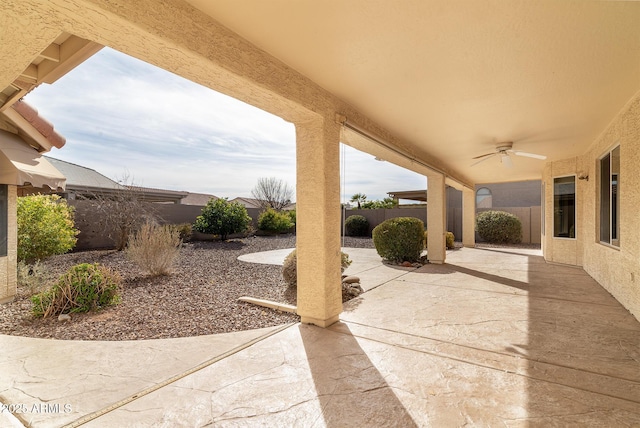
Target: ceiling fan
505,150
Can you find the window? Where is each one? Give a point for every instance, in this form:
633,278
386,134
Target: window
564,207
484,198
542,211
609,200
4,202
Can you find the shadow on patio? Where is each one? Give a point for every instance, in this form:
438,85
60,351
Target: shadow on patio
504,338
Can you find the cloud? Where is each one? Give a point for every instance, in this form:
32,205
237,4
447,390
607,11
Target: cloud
123,116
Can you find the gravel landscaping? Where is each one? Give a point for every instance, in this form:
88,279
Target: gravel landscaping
199,297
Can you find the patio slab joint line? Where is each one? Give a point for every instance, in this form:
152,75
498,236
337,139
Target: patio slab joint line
445,355
104,411
397,278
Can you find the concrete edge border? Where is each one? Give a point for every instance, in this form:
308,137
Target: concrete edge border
269,304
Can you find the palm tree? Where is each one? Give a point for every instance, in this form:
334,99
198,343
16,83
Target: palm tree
358,198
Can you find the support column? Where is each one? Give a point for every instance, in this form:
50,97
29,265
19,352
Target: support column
318,221
436,218
468,217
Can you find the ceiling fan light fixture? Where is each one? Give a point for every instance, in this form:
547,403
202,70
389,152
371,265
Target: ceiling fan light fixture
506,160
505,150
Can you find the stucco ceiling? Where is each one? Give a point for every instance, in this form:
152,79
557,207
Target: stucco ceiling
456,78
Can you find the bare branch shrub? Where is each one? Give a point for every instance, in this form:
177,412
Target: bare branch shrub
154,248
122,211
272,193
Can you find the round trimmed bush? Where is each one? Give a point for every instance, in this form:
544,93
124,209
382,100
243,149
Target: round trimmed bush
290,271
449,240
273,221
499,227
221,217
399,239
356,225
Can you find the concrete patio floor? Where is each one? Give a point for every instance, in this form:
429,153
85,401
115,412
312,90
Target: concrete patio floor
494,337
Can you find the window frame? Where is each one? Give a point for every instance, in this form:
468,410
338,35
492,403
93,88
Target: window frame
575,209
4,219
490,195
611,242
543,202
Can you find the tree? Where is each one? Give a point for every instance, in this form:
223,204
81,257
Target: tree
123,211
385,203
45,227
359,198
272,193
221,217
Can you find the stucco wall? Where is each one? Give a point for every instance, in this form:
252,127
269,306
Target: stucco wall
615,268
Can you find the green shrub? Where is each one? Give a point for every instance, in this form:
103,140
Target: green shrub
499,227
273,221
154,248
290,272
356,225
449,240
292,216
221,217
82,288
399,239
184,230
45,227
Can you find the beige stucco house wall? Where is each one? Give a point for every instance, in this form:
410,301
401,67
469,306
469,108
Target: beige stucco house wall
615,268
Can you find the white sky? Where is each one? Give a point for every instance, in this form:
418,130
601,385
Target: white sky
123,117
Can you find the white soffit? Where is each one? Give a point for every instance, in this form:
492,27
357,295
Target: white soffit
21,164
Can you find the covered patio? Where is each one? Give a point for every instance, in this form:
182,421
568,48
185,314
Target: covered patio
455,91
480,337
496,337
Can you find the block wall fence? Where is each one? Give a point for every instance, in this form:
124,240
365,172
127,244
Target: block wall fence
93,234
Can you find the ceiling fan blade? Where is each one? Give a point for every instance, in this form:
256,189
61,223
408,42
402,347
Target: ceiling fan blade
528,155
506,160
483,158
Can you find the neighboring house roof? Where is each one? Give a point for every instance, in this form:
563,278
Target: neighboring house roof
412,195
254,203
197,199
88,182
83,178
246,202
159,195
